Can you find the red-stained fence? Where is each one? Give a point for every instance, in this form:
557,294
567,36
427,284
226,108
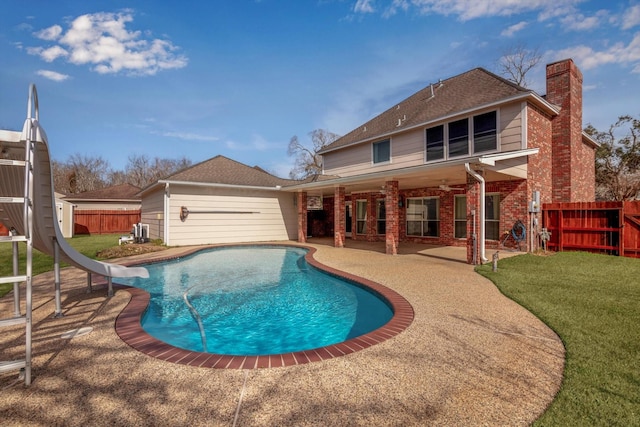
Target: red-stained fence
602,227
104,222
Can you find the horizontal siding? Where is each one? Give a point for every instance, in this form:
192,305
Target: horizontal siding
511,127
152,209
407,149
271,216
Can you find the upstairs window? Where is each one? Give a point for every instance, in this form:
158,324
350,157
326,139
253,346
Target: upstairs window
459,138
485,132
382,151
435,143
471,135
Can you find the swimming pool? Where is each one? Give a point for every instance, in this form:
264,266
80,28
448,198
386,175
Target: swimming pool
255,300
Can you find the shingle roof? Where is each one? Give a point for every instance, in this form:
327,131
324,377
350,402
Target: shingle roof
115,192
222,170
465,91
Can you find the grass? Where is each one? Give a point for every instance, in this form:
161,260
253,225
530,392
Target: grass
593,303
88,245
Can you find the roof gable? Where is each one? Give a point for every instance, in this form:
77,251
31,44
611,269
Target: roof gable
464,92
222,170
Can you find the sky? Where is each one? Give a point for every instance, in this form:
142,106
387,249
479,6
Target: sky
240,78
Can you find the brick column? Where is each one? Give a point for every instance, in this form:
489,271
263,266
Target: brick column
473,204
302,216
392,235
339,217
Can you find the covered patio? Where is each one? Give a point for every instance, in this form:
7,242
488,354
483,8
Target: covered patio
377,206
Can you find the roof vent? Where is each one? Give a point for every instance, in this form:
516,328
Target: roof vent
399,123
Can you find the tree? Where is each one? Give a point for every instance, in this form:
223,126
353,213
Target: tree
83,173
307,160
618,160
80,173
516,62
142,171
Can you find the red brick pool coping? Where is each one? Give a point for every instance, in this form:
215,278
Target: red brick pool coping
129,328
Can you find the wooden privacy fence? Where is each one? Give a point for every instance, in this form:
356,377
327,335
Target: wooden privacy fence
602,227
104,222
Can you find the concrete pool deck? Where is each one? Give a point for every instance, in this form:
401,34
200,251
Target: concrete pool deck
470,357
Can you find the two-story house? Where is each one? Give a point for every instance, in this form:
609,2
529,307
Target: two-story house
457,163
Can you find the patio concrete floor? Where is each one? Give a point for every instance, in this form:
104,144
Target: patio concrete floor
470,357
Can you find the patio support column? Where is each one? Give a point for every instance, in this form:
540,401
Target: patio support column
473,220
339,217
392,231
301,200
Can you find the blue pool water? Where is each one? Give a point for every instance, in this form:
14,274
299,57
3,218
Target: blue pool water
254,300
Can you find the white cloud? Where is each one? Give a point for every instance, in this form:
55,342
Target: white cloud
103,41
53,53
52,75
187,136
364,6
51,33
579,22
588,58
471,9
510,31
257,143
631,17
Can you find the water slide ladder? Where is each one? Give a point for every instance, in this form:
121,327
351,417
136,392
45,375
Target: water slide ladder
24,365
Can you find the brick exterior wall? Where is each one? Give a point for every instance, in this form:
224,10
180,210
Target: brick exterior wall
392,235
539,135
572,163
339,217
473,221
302,217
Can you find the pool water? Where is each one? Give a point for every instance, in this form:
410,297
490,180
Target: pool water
255,300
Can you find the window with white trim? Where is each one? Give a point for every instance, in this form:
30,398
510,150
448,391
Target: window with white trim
459,138
435,143
381,151
492,216
460,216
485,133
423,217
361,217
381,217
471,135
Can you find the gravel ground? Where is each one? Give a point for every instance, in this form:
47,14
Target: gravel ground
470,357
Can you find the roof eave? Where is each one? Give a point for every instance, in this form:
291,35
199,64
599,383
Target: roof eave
219,185
488,160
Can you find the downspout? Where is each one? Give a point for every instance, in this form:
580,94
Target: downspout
480,179
165,214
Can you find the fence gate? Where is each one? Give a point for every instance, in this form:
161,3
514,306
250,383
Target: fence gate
602,227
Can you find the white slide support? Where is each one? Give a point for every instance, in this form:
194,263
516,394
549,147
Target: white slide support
46,232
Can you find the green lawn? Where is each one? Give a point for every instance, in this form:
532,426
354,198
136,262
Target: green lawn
85,244
593,303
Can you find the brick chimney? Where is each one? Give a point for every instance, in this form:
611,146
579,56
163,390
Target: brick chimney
573,177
